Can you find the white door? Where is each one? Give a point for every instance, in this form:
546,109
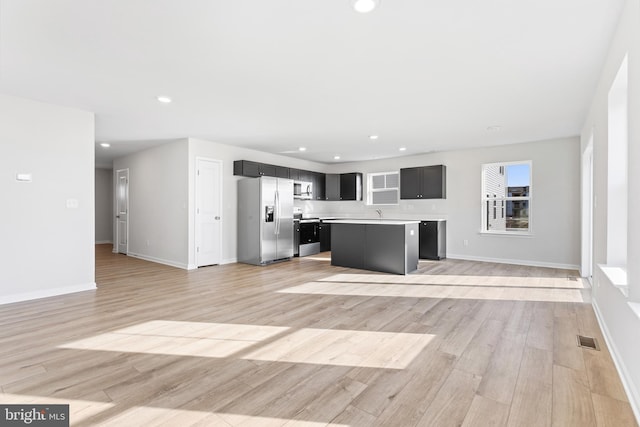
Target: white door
122,210
208,214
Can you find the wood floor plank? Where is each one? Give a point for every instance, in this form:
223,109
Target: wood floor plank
532,399
304,343
500,378
486,413
612,413
453,401
572,404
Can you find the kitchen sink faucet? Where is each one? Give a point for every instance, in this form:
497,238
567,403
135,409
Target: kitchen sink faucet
379,211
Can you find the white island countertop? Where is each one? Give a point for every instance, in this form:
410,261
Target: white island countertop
372,221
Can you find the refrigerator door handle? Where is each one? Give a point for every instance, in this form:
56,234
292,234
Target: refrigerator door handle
277,213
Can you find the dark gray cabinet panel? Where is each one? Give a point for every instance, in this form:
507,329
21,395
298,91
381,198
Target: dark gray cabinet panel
380,247
332,186
281,172
246,168
294,174
433,240
376,247
255,169
319,187
325,236
424,182
351,186
347,245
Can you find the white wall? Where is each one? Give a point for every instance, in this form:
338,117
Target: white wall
227,154
104,205
617,317
158,203
554,208
47,249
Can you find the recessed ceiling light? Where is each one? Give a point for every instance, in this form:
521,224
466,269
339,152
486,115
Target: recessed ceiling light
402,148
373,137
365,6
105,145
336,157
494,128
164,99
302,149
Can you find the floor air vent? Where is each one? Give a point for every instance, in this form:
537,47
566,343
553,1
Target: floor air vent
588,342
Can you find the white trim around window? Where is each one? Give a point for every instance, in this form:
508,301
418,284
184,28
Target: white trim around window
383,188
506,198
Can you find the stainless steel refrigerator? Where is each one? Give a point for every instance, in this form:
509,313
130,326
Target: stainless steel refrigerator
265,220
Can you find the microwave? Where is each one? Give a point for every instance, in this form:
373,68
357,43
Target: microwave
302,190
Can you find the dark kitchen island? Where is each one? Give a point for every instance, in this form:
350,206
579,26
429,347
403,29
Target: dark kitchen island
389,246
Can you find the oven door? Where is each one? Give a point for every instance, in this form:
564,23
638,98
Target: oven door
309,232
309,237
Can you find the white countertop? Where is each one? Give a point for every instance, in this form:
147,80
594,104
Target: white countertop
372,221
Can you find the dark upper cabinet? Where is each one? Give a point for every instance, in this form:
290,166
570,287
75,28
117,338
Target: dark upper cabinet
255,169
246,168
306,176
282,172
294,174
319,188
267,170
345,186
332,189
351,186
425,182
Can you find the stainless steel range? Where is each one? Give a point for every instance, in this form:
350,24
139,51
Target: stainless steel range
309,235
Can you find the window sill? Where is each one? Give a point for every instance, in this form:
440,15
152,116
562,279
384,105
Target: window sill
635,307
618,278
506,233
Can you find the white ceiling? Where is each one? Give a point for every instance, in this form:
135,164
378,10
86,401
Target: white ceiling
278,74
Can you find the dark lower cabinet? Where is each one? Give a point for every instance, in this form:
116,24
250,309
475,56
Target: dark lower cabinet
433,240
347,245
325,236
296,238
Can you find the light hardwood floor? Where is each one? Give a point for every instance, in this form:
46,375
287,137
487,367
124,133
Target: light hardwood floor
302,343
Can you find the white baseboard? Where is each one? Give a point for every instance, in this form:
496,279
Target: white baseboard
229,261
103,242
629,387
160,260
45,293
514,261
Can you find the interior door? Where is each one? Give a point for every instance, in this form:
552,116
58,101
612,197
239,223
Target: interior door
208,212
122,210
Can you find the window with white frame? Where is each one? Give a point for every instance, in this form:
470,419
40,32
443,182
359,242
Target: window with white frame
506,197
383,188
617,171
